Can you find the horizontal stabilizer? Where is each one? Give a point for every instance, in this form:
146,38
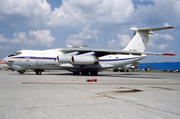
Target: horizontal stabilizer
151,29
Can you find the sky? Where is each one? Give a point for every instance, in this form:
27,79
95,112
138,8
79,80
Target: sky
101,24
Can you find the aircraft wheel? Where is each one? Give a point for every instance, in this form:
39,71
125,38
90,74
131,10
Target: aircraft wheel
75,73
85,73
38,72
21,72
94,73
115,70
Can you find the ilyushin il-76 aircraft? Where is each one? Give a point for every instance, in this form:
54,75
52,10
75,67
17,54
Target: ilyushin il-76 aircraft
84,61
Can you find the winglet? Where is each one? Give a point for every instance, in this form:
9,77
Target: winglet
169,27
169,54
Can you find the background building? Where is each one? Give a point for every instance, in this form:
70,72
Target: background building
163,66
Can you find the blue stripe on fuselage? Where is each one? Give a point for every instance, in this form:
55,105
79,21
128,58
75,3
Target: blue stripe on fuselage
26,57
53,58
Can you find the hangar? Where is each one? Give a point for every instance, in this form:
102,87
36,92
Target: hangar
162,66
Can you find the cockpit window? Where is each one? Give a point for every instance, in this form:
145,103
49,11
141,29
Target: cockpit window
16,53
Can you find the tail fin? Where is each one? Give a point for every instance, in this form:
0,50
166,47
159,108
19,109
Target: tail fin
141,38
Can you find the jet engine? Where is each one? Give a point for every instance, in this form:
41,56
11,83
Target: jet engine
84,60
64,58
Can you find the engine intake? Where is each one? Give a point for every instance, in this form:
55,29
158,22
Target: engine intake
84,60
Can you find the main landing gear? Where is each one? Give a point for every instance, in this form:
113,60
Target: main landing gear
38,72
76,73
92,73
21,71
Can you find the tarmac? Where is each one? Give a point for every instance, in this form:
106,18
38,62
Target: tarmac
115,95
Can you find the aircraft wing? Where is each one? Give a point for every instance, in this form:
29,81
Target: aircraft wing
99,53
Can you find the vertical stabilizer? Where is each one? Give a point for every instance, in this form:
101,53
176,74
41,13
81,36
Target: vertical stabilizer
141,38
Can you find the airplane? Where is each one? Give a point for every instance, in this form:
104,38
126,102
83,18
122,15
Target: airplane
4,65
84,61
126,68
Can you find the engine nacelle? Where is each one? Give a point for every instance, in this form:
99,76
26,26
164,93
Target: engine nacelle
84,60
125,68
64,58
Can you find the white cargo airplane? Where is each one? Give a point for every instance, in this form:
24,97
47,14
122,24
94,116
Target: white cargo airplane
84,61
4,65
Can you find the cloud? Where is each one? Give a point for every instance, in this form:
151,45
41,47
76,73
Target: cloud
19,38
2,39
163,46
168,10
6,47
157,41
166,24
86,36
37,14
157,46
79,13
157,36
112,43
31,12
73,13
39,37
121,42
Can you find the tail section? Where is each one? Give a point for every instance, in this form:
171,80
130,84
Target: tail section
141,38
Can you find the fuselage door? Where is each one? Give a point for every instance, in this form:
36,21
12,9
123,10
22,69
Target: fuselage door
39,61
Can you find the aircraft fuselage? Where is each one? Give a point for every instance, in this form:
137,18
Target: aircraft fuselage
47,60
